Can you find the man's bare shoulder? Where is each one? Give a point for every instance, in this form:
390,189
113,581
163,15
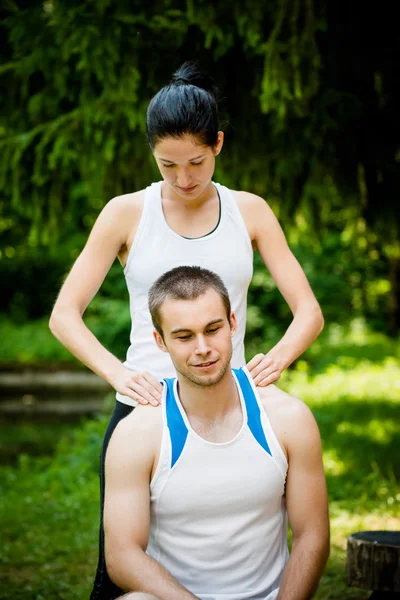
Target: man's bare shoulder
143,420
290,417
139,432
274,398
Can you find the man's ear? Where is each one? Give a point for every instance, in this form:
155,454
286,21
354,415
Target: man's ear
159,341
233,324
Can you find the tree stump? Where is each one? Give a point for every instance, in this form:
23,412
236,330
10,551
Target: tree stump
373,561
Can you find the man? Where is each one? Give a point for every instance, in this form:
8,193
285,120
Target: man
198,489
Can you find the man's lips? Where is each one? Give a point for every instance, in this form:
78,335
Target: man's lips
205,364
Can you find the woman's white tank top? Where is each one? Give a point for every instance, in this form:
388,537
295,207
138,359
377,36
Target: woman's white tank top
157,248
218,514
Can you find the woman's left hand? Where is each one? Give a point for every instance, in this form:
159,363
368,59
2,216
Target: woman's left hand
264,369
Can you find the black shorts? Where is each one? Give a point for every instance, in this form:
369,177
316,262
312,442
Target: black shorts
103,587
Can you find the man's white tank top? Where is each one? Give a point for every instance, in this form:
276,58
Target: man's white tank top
218,515
157,248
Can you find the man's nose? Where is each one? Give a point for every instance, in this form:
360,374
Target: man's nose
202,346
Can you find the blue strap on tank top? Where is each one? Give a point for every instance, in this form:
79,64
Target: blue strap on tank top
177,428
253,410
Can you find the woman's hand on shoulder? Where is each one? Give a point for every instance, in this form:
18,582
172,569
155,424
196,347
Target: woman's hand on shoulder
265,369
137,385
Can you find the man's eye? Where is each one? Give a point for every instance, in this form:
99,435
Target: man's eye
184,337
214,330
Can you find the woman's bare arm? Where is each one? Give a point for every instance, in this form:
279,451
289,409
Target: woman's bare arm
107,239
268,238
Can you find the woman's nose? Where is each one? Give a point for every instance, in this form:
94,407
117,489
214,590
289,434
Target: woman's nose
184,178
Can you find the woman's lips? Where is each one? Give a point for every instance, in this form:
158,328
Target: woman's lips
188,189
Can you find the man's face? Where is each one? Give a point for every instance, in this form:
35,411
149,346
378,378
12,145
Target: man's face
198,337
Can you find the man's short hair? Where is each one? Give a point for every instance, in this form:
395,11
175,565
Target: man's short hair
184,283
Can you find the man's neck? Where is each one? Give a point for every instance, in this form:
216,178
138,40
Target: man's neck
209,402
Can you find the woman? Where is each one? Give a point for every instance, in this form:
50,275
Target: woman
184,219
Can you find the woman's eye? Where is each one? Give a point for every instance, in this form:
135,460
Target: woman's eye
168,166
197,164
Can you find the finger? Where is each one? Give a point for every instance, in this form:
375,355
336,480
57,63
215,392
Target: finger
133,396
152,394
265,373
155,386
266,365
139,386
140,399
255,361
270,379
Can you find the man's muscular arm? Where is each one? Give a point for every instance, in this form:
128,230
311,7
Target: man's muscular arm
129,464
306,494
307,506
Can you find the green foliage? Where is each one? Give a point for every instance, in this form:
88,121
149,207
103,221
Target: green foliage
292,62
31,343
75,93
26,337
312,127
49,547
22,298
345,269
25,437
52,508
110,321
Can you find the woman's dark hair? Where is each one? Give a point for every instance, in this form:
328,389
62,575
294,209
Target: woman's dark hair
186,106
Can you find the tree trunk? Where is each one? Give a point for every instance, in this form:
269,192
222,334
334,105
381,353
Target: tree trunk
373,560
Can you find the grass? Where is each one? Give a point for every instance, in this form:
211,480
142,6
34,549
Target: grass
49,547
30,343
51,502
29,437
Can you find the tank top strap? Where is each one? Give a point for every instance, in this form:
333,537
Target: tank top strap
153,206
149,210
258,421
176,425
230,209
253,410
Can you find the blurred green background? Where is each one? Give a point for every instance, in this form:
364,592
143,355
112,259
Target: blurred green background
309,103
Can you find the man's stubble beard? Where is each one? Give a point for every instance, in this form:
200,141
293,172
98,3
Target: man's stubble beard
202,381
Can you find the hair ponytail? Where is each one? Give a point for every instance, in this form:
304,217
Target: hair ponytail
186,106
190,74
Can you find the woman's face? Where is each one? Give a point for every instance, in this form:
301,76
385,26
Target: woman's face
185,165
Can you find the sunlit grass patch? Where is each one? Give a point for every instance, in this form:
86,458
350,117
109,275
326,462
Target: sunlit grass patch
365,381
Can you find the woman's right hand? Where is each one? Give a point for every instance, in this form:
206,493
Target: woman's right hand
138,385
